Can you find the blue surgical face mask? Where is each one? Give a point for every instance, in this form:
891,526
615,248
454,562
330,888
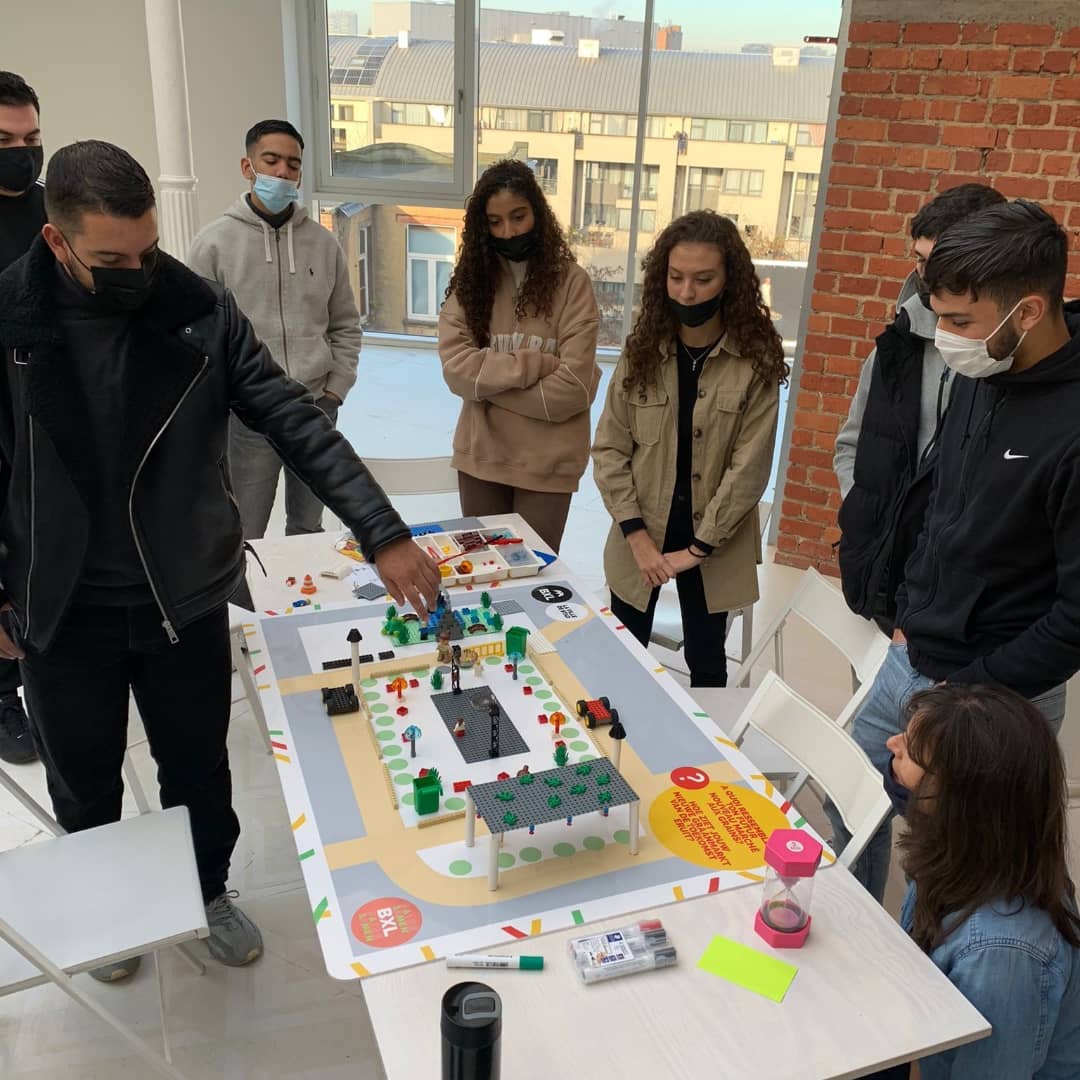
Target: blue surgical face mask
275,192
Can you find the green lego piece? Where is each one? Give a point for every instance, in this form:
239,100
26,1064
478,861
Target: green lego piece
510,819
436,679
583,769
603,778
603,797
496,622
562,755
426,792
485,599
552,781
527,779
504,796
554,801
577,789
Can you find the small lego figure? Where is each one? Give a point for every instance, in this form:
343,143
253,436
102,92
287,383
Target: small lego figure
523,771
459,727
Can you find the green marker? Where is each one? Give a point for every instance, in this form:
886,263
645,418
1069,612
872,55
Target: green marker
492,962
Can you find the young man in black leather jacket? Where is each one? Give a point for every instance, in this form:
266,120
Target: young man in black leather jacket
123,538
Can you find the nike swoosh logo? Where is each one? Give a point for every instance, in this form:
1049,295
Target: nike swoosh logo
1010,456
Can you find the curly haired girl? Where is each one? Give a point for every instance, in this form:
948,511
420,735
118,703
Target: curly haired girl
517,338
684,447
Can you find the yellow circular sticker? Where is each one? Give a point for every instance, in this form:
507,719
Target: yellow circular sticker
718,826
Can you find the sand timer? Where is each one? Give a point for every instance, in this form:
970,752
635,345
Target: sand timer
791,857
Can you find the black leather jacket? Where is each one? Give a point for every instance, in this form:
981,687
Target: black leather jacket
199,360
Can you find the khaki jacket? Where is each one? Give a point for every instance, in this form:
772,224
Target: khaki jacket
525,398
634,455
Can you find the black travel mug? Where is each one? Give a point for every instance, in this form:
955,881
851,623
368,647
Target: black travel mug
471,1030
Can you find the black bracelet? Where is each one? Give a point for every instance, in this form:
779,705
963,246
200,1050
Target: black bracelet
697,554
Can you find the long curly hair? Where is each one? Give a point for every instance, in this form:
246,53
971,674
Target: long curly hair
476,275
987,822
743,313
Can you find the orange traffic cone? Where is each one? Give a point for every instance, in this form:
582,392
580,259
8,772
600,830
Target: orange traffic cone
309,586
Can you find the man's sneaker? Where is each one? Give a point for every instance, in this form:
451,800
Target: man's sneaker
122,969
16,745
234,939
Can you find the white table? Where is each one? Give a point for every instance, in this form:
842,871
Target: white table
865,996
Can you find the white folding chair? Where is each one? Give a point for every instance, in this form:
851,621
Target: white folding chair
823,750
134,889
823,607
413,476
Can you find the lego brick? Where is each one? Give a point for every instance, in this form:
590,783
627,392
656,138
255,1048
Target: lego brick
340,700
387,655
577,794
475,744
331,665
370,591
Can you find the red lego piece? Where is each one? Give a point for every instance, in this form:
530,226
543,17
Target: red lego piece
422,773
542,718
414,683
402,710
527,691
461,785
290,581
503,776
508,667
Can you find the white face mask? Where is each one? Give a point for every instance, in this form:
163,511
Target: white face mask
972,357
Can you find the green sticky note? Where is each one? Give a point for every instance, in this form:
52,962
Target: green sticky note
747,968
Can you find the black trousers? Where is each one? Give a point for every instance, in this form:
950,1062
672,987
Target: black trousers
9,677
77,692
704,633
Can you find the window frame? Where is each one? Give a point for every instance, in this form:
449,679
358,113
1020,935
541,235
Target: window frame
313,46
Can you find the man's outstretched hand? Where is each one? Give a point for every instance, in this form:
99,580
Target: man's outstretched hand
409,574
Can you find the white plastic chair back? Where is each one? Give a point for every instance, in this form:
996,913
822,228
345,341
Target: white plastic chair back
413,476
823,750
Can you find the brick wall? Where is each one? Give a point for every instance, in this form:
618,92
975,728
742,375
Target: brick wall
924,106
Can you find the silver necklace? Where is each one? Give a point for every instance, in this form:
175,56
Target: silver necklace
696,360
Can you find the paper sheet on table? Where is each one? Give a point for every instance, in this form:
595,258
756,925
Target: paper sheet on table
365,574
747,968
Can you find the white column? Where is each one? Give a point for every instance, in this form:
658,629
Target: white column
177,210
634,808
470,820
493,860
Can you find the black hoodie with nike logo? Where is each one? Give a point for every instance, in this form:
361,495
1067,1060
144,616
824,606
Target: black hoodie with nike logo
992,591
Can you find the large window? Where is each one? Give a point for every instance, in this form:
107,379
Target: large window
729,130
803,204
703,189
743,181
430,263
426,95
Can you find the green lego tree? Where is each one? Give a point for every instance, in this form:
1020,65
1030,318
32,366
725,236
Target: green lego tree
562,755
436,680
485,600
496,622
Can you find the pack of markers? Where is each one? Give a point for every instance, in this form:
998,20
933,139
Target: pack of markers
642,946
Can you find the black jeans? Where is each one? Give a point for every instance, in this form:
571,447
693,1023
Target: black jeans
9,677
77,692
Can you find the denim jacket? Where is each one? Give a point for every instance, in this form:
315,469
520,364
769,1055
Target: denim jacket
1011,963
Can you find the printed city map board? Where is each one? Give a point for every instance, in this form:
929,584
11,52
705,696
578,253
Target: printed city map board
390,887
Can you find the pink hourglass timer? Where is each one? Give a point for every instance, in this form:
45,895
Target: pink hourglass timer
791,860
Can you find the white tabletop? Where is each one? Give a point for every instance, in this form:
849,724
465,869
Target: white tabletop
865,996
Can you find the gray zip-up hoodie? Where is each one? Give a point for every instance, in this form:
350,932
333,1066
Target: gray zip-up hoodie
293,284
935,388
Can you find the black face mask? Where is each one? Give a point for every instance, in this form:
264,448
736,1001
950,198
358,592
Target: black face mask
120,290
515,248
20,166
695,314
898,794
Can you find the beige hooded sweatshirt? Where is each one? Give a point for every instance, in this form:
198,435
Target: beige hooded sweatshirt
525,397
